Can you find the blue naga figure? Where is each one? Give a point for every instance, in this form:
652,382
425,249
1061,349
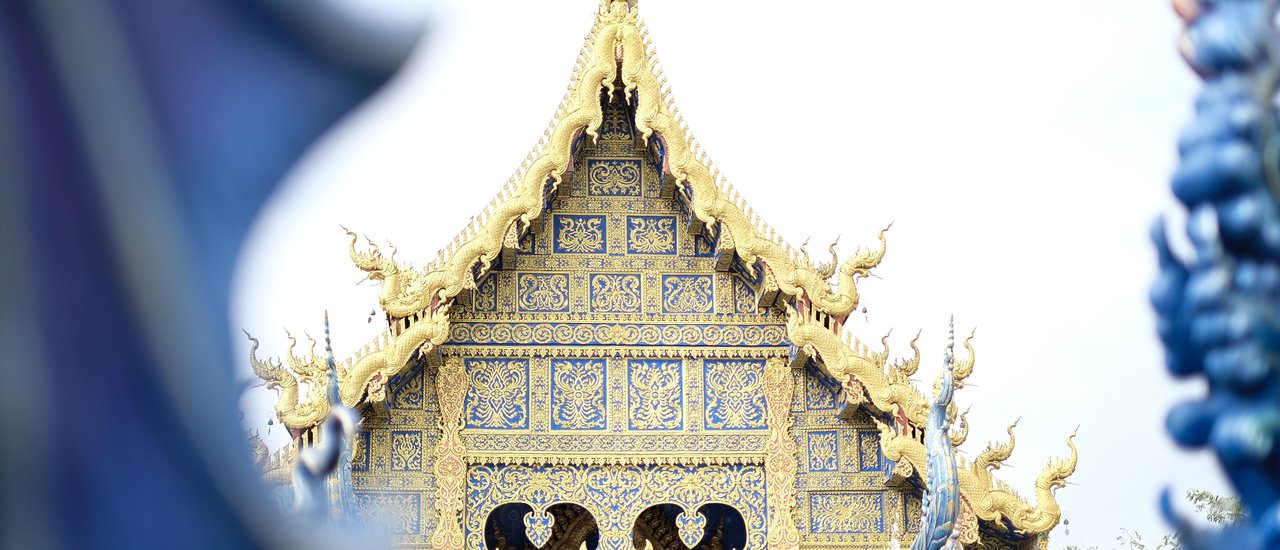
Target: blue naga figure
1218,307
137,141
942,496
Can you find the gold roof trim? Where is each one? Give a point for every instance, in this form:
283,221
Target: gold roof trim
617,38
418,300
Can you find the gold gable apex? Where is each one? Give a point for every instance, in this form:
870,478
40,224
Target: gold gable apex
617,51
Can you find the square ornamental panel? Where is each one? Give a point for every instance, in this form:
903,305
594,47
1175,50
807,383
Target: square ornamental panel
578,234
687,294
578,392
655,394
651,234
734,394
497,393
613,177
542,292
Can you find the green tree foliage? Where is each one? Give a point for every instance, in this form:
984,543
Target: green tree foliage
1218,509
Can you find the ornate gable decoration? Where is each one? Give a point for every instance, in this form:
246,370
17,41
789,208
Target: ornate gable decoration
618,59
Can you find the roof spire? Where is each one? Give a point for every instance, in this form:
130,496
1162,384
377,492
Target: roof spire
949,358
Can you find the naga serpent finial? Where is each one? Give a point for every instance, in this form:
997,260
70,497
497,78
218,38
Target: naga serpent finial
942,494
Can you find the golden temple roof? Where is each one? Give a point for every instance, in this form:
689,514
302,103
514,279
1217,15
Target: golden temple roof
617,56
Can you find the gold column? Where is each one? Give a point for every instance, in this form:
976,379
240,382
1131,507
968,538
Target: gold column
450,456
780,457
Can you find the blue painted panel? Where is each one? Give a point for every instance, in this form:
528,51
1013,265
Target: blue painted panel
579,234
578,394
497,393
651,234
655,394
687,293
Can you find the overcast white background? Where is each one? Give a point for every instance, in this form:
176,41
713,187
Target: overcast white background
1021,149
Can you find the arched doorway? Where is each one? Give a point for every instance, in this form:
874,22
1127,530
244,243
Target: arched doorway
712,527
516,526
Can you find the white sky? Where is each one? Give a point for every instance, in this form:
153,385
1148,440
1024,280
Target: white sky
1021,149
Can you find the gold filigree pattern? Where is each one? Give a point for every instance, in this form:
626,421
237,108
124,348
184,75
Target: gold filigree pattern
687,293
498,393
613,177
577,394
580,234
847,513
780,457
656,401
651,235
615,293
543,291
450,464
734,398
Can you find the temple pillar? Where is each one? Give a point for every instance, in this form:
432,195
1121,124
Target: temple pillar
450,456
780,456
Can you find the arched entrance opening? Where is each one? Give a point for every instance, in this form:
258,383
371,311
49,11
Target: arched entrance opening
565,526
668,527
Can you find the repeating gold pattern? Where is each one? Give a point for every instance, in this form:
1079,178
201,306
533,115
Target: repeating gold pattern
656,401
615,293
419,303
735,399
616,495
498,393
651,235
544,291
847,512
581,234
614,177
577,394
686,293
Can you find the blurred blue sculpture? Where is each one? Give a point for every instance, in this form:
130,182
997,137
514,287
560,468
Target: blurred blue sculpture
137,141
942,495
1217,309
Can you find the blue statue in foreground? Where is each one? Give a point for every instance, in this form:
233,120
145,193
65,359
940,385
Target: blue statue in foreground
1217,309
942,496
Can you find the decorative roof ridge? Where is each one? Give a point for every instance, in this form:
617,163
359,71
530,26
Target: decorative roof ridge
618,40
869,379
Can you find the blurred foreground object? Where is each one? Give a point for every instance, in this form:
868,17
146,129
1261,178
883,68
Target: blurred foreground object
137,141
1217,309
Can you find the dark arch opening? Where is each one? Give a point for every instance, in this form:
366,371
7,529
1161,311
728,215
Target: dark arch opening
572,525
724,528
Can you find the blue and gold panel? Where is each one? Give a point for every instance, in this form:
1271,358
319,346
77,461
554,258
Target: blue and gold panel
733,394
846,513
703,246
687,293
824,451
394,512
579,234
613,177
914,512
497,393
407,391
651,234
406,450
744,296
614,293
655,394
360,455
486,297
578,394
543,292
819,390
868,451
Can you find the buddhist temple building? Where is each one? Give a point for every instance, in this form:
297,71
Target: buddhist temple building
619,353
